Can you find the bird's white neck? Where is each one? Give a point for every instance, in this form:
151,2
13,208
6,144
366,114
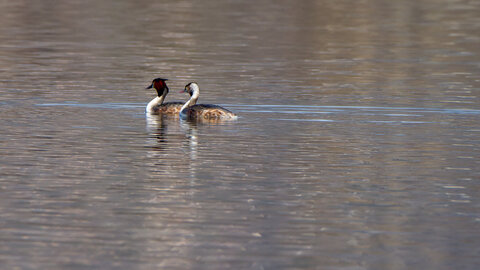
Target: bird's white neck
154,102
193,99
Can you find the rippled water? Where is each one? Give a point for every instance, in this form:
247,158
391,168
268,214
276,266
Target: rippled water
357,144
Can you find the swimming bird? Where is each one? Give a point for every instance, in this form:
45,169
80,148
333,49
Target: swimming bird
191,110
156,106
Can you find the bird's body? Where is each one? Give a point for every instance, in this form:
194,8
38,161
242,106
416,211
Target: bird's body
207,111
169,108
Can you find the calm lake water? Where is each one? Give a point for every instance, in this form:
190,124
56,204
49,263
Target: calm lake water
357,144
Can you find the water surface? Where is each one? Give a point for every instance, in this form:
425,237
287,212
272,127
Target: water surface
357,144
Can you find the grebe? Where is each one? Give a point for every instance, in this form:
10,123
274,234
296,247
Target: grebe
191,110
156,106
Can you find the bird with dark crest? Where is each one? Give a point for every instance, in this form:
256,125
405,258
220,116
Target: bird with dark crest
156,105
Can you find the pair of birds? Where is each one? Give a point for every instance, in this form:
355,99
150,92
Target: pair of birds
188,110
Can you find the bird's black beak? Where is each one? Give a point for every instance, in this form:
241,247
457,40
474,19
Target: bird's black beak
150,86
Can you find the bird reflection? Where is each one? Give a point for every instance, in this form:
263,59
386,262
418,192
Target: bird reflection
165,129
190,128
175,143
157,128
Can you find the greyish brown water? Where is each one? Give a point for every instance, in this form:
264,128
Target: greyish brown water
357,144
